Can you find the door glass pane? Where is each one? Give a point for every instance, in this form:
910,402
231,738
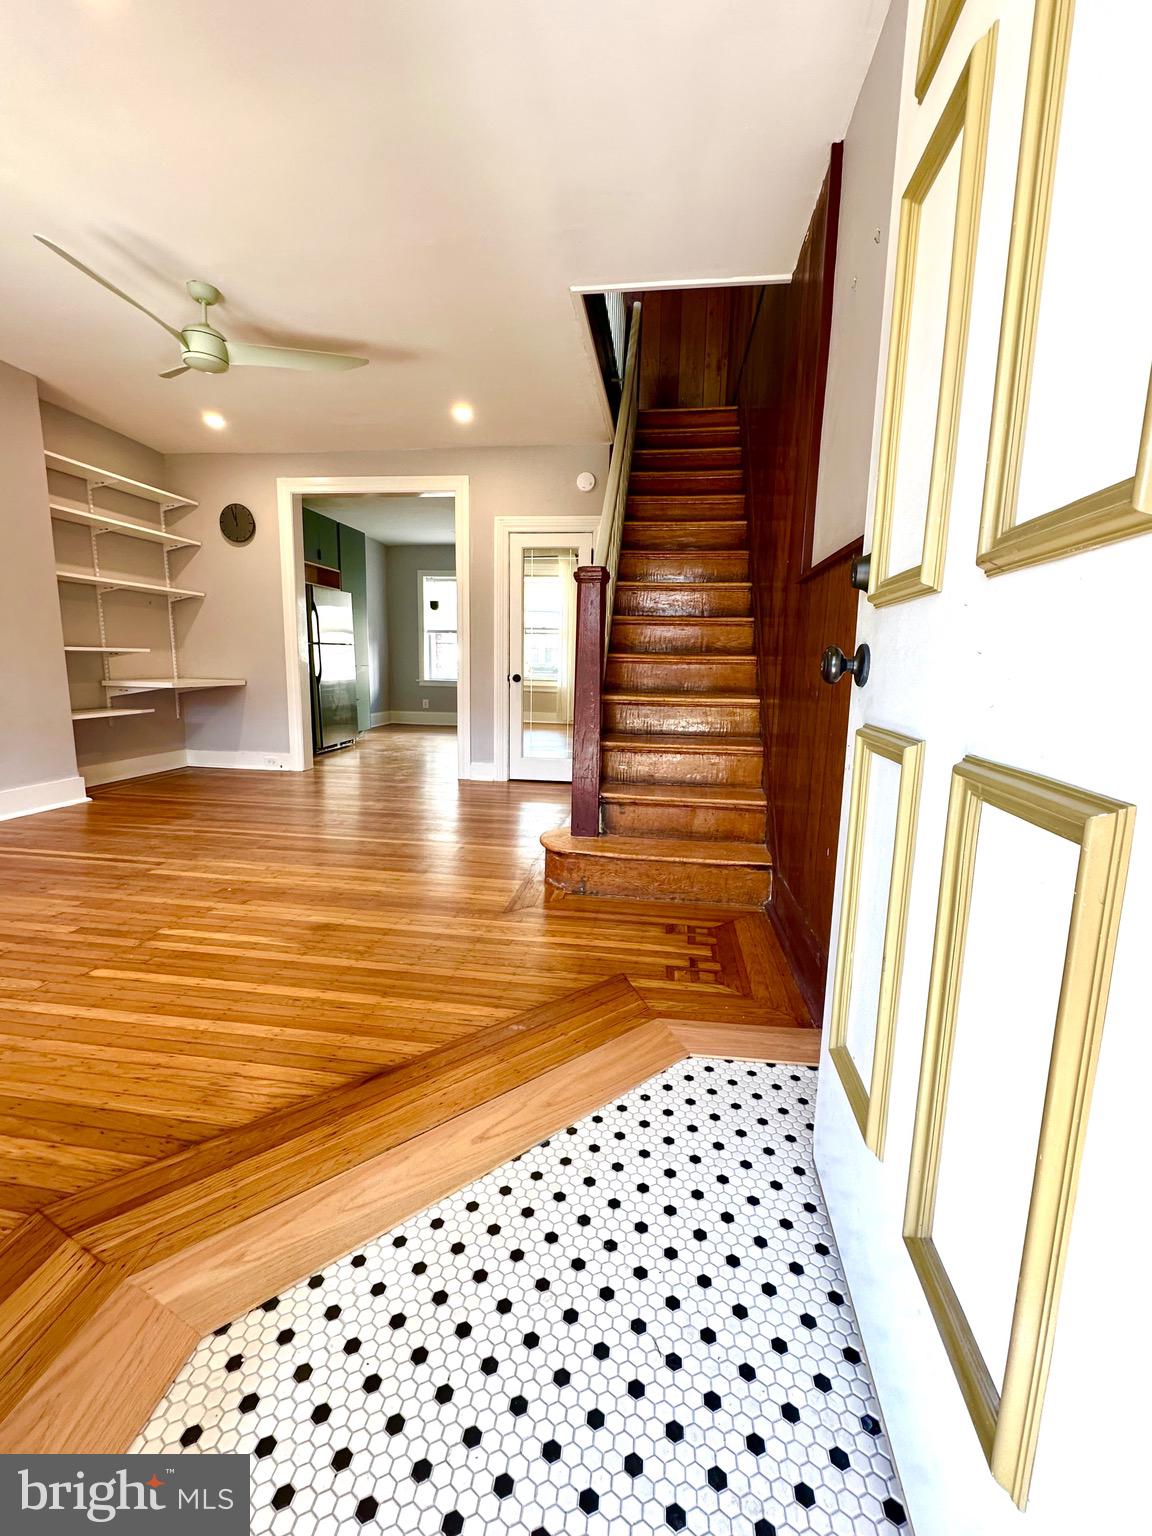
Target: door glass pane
549,609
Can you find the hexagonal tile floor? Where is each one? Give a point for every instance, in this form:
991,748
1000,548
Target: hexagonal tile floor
639,1326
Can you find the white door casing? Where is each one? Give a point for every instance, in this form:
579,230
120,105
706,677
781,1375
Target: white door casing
1032,669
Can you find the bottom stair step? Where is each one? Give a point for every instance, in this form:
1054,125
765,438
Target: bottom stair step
670,869
714,812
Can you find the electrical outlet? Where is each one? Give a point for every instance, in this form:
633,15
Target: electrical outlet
423,703
271,762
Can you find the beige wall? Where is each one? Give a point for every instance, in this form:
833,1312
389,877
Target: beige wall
37,755
112,749
406,692
858,303
238,630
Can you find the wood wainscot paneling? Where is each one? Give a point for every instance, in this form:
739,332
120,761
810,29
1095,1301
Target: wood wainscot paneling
800,608
693,344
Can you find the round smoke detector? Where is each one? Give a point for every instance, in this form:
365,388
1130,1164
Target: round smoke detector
586,481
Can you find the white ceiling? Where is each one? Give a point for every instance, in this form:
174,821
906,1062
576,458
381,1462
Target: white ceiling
418,180
394,519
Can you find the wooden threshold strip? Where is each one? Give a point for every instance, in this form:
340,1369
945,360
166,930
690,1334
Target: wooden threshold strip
104,1294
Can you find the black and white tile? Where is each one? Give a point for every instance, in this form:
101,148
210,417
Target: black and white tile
640,1326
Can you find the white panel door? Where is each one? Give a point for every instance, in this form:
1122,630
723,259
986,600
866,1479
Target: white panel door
1032,660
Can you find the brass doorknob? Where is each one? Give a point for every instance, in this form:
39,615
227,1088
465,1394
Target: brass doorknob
834,665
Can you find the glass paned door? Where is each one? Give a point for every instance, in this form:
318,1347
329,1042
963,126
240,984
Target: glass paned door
542,653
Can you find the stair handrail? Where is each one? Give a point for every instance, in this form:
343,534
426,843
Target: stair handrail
595,593
611,531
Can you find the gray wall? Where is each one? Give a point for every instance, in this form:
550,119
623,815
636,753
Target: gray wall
376,575
405,561
240,628
37,754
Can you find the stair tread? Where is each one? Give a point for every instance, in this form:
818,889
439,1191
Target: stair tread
679,658
683,618
661,741
679,849
684,794
682,586
654,696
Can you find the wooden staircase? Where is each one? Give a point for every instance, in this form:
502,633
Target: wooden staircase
683,813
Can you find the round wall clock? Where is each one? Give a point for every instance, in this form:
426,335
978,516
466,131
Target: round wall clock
237,523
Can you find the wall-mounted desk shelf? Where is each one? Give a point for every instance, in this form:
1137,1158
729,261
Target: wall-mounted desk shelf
94,476
124,584
107,714
65,511
118,685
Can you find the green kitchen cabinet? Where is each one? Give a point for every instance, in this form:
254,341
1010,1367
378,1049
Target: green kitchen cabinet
321,539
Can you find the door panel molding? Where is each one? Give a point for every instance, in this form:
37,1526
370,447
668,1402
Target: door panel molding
870,1105
1007,1414
940,18
965,118
1118,511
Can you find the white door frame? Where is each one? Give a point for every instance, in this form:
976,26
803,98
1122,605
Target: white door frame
503,528
290,491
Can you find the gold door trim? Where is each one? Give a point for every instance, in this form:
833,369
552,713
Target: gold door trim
940,18
965,113
1118,511
1007,1415
870,1106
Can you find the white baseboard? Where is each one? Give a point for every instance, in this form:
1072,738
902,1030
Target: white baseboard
485,772
50,795
382,717
134,767
415,717
263,762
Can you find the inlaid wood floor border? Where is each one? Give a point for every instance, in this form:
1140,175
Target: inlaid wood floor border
103,1294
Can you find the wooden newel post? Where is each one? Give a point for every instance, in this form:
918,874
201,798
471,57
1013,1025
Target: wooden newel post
591,596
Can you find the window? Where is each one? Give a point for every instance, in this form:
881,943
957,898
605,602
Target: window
439,653
543,611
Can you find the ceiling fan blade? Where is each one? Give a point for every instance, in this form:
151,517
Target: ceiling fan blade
104,283
245,354
171,373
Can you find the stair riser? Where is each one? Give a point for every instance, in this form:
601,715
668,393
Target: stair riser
684,509
722,638
657,880
686,482
720,674
685,416
713,822
688,437
650,766
694,536
691,602
685,458
685,719
719,565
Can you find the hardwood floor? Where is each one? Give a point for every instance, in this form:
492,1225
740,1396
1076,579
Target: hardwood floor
193,952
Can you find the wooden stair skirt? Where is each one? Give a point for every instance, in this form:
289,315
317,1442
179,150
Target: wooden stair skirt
681,805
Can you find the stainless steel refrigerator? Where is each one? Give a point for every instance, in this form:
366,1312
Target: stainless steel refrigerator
332,662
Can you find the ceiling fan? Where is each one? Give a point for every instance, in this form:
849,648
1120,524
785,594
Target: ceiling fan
202,347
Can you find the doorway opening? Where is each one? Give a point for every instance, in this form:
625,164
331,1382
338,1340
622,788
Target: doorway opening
375,574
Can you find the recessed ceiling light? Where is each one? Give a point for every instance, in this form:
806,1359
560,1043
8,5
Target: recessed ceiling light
436,495
214,420
462,412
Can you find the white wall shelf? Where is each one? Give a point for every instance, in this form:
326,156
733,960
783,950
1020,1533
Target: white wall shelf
95,477
65,511
107,650
117,685
107,714
124,584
